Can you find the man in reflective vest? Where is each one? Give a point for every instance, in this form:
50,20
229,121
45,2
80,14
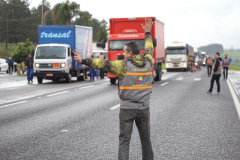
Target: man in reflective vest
217,69
209,63
226,63
135,87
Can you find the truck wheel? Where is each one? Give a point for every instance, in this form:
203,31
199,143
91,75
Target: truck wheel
113,80
40,80
158,71
81,78
69,78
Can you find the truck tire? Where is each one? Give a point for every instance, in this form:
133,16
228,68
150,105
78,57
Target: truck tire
69,78
113,80
81,78
158,70
40,80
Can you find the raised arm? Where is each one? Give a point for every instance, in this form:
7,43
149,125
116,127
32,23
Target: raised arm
149,50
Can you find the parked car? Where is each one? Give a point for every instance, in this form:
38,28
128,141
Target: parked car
3,65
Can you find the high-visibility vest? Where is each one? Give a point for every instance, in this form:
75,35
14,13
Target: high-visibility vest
209,61
225,62
136,86
219,68
101,57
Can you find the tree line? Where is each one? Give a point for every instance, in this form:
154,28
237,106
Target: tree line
19,22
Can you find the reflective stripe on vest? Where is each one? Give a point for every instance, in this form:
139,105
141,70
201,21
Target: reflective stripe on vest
147,87
209,61
101,57
219,68
139,74
225,62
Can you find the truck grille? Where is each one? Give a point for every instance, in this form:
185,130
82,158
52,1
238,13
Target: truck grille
46,65
175,59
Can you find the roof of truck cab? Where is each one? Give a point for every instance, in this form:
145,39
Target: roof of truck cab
53,44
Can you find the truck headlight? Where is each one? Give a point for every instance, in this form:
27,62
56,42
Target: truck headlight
204,62
167,65
63,65
196,64
37,65
184,64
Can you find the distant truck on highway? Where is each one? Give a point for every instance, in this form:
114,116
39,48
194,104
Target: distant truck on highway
179,56
197,58
53,57
203,58
122,30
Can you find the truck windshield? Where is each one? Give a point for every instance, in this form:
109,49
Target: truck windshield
176,51
51,52
119,44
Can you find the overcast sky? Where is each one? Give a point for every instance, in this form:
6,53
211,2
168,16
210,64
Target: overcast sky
198,22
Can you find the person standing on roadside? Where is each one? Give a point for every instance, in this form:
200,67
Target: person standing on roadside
10,65
209,62
98,71
92,72
217,70
29,67
226,62
135,87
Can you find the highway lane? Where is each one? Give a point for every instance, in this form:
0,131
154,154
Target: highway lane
78,122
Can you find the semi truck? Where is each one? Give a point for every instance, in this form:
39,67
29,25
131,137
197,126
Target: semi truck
203,58
122,30
197,58
179,56
53,57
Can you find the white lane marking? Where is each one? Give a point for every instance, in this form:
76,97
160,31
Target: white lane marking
106,83
164,83
235,99
115,107
64,131
12,104
39,97
234,85
57,93
86,87
197,79
179,79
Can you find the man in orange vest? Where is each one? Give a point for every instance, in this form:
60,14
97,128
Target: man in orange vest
209,62
217,70
226,63
135,87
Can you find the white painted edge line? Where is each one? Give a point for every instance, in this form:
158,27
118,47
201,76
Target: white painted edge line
197,79
86,87
235,99
106,83
234,85
12,104
164,83
57,93
115,107
179,79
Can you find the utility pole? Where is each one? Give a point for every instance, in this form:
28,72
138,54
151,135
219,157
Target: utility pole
7,30
42,11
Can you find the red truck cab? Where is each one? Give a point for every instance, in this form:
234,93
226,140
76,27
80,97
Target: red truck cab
122,30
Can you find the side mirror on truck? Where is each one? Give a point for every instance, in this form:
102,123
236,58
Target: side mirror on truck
154,42
101,44
72,54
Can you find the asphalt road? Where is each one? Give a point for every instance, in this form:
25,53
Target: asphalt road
80,121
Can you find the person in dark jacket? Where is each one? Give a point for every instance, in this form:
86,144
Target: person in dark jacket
29,67
216,73
10,65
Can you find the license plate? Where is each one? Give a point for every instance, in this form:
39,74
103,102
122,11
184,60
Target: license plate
175,65
49,74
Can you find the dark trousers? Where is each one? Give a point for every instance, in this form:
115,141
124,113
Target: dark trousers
215,78
101,74
209,68
10,69
142,120
225,72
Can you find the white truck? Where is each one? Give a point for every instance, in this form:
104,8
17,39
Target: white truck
203,58
179,56
197,58
53,57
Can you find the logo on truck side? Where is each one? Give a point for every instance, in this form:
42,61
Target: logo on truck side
56,35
